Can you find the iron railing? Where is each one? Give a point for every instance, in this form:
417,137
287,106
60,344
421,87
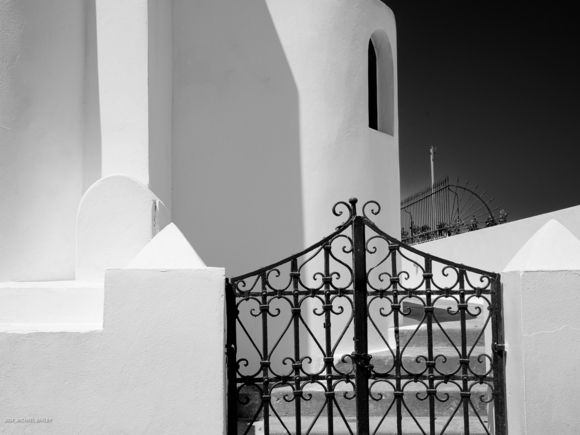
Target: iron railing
444,210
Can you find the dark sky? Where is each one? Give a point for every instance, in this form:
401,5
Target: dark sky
495,88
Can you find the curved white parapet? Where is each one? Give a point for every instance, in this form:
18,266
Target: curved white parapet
117,218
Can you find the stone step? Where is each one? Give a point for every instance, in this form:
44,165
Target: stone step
388,426
413,337
451,331
413,362
382,363
383,397
415,311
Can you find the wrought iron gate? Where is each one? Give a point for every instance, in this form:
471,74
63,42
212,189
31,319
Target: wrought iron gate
426,354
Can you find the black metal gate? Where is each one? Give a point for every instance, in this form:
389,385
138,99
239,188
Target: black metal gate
362,334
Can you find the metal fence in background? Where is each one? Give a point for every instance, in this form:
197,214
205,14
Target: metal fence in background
444,210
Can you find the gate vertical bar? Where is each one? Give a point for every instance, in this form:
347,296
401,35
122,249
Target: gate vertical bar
464,361
296,320
328,359
360,322
497,332
398,393
232,399
265,363
430,354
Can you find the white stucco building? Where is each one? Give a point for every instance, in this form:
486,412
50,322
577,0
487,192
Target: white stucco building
233,125
230,122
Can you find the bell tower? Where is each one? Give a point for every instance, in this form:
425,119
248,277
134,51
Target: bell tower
343,57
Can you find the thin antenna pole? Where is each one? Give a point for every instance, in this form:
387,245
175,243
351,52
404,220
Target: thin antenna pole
433,152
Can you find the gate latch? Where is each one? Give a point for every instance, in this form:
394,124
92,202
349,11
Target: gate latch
363,360
498,347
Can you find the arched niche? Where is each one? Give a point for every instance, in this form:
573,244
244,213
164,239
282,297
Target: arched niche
381,83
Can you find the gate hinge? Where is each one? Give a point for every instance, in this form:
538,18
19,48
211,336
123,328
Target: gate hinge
498,347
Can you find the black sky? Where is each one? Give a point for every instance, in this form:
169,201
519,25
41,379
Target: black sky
495,88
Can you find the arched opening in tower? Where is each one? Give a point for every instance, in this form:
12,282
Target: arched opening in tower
381,89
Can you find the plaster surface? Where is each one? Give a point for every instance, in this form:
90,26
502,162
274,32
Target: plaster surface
271,124
341,157
156,367
236,154
277,122
117,217
42,57
515,360
52,306
542,331
122,43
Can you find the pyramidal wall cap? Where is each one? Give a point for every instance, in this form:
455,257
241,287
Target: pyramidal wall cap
167,250
553,247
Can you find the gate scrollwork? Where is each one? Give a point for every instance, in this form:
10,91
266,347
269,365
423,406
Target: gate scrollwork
360,333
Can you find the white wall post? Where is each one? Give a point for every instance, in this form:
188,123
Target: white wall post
542,329
135,88
157,366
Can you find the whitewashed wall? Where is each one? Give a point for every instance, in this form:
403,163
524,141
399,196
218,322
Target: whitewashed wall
271,124
492,248
236,154
42,59
541,303
157,366
270,130
266,117
341,157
